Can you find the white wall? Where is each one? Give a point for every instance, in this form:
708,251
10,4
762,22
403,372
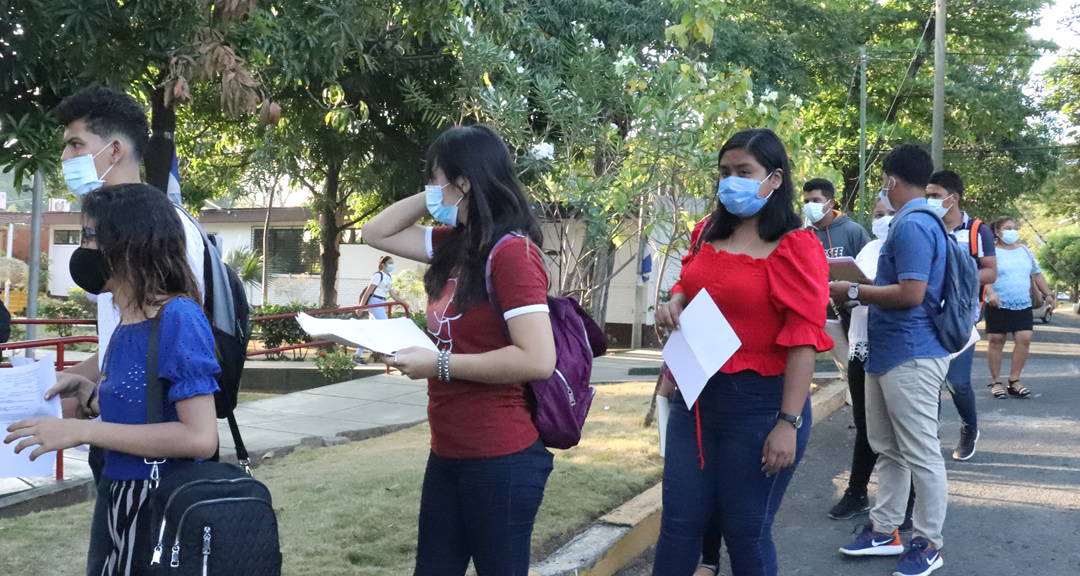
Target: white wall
59,255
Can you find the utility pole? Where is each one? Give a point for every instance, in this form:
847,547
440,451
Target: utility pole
35,257
865,208
937,146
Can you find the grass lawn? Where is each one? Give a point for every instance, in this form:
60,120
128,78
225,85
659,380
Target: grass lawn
252,396
352,509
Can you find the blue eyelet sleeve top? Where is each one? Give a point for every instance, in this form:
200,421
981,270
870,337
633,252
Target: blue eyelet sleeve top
186,364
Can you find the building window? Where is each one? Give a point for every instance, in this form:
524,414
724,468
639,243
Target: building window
291,250
67,237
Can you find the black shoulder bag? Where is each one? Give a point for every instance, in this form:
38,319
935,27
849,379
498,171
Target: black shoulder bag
213,518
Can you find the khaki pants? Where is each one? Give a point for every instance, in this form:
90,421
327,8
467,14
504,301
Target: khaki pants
902,426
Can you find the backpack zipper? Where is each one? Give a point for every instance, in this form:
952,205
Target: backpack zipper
206,551
175,560
168,503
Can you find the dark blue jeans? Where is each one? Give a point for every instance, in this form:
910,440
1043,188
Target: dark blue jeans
737,411
480,509
958,381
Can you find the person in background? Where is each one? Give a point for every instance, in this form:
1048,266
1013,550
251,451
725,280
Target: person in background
732,454
1008,307
105,135
855,500
487,470
905,370
841,237
133,247
946,191
381,287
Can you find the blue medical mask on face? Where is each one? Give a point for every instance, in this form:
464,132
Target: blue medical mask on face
81,175
935,206
740,195
814,211
884,196
390,267
444,214
1010,236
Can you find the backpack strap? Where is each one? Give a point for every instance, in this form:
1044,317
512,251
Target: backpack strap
930,306
973,238
217,299
488,282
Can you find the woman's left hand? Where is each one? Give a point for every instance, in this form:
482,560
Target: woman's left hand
779,450
49,434
414,362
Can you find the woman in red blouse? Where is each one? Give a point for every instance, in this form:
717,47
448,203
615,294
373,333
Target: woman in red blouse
487,469
730,458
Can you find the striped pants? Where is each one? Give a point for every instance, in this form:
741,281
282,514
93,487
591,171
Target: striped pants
127,521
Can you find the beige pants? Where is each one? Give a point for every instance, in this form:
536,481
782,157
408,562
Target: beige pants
902,426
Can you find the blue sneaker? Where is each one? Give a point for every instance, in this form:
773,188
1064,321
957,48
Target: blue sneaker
920,559
871,543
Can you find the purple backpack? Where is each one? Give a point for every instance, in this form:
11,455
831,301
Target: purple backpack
560,403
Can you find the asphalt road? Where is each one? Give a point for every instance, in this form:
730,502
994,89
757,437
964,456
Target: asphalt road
1014,508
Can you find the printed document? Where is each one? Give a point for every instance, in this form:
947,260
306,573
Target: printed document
22,396
383,336
700,347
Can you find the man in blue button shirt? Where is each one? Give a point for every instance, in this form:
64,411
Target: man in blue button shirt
905,371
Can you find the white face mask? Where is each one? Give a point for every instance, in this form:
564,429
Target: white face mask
81,175
880,226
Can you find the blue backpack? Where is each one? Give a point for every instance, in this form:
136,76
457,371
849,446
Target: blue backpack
954,316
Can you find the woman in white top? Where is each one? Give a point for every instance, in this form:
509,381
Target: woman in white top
382,285
855,500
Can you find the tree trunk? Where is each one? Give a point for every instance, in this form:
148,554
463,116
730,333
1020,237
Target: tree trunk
159,152
329,237
266,248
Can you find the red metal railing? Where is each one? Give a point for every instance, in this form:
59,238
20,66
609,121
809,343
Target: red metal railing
316,343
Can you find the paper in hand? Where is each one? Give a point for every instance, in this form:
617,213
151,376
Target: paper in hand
382,336
22,396
845,268
700,347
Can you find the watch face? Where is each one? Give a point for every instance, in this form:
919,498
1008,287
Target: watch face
853,292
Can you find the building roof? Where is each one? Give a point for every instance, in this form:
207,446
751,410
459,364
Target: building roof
255,215
16,218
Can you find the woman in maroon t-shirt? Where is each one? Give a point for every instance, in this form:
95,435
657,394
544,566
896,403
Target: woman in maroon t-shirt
487,469
732,452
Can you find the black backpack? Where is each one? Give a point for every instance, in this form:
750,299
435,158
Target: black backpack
208,518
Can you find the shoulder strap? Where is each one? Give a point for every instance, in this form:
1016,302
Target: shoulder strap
973,238
155,392
492,296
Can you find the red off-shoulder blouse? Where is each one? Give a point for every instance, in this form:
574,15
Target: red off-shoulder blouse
773,303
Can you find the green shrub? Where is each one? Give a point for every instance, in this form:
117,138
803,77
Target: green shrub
336,364
419,318
284,331
54,309
79,296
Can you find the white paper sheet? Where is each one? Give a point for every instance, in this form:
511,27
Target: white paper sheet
22,395
700,347
975,337
383,336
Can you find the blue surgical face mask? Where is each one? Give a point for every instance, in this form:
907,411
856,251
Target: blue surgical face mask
81,175
934,204
444,214
740,195
814,211
390,267
1010,236
884,195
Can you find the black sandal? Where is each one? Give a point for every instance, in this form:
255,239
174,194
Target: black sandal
998,394
1021,392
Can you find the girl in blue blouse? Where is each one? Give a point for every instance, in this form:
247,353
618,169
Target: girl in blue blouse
133,246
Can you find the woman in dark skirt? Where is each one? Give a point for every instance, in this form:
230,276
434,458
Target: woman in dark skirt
1008,308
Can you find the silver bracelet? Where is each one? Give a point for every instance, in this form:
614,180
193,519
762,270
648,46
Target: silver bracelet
443,366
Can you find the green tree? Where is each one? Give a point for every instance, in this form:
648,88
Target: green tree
1060,258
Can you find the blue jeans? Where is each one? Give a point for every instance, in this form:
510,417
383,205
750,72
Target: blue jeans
483,509
737,413
958,381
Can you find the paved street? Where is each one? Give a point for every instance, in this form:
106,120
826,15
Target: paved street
1014,509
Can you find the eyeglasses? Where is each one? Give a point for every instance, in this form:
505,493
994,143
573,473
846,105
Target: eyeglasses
87,234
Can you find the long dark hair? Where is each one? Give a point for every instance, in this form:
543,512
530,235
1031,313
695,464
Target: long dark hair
496,206
778,216
142,239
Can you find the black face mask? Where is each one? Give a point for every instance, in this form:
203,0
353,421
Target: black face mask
87,267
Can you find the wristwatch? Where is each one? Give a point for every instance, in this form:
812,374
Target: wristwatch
795,421
853,292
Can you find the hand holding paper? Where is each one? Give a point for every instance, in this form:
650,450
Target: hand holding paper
22,396
700,347
383,336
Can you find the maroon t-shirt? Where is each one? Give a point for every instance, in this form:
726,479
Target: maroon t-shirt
470,419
